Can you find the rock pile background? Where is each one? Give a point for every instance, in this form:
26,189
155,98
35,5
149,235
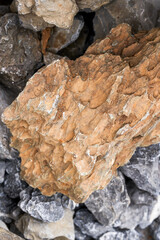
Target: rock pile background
129,207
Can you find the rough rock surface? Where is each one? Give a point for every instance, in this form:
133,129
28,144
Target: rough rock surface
155,229
58,12
74,128
126,235
6,152
15,69
37,230
86,223
91,4
6,235
144,168
107,204
61,38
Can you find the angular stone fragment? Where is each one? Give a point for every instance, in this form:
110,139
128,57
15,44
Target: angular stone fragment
61,38
91,4
58,12
77,121
107,204
7,235
37,230
126,235
144,169
20,52
155,229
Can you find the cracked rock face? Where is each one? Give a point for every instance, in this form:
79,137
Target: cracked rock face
74,128
57,12
15,69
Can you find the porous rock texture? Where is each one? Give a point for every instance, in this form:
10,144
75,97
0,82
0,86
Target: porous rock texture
77,121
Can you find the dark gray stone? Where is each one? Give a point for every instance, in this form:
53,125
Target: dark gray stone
155,229
20,52
88,225
107,204
4,9
144,169
46,209
80,236
13,184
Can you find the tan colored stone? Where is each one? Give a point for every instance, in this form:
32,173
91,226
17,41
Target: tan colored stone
57,12
6,235
38,230
92,4
77,121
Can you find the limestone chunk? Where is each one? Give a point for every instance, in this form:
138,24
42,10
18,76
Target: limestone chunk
77,121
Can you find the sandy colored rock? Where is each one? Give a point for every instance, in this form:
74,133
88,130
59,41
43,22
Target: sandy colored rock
77,121
57,12
37,230
92,4
6,235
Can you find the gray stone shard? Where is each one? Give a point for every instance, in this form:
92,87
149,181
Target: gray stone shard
20,52
155,229
6,152
144,168
2,170
46,209
125,235
107,204
13,184
88,225
61,38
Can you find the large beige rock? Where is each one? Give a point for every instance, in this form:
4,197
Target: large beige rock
37,230
92,4
77,121
57,12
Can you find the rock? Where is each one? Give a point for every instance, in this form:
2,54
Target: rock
107,204
47,209
3,225
126,235
34,229
155,229
93,5
49,57
6,152
59,12
34,22
74,128
2,170
80,236
13,184
88,225
144,168
61,38
142,211
15,69
4,9
5,235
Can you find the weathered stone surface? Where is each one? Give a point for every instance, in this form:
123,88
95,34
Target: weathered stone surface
107,204
126,235
155,229
2,170
47,209
88,225
13,184
6,235
91,4
61,38
15,69
58,12
74,128
37,230
144,169
6,152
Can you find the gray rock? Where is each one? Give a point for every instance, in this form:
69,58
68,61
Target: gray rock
107,204
142,211
126,235
61,38
6,152
80,236
88,225
140,14
47,209
15,69
13,184
2,170
155,229
144,169
50,57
